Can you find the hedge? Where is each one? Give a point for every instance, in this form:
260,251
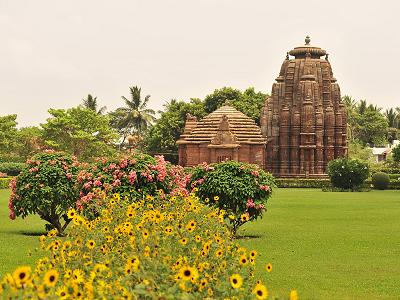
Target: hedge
11,168
325,183
4,182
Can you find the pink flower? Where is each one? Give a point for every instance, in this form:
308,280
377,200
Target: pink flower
132,177
97,183
250,203
117,182
69,176
123,163
264,187
12,214
255,173
87,185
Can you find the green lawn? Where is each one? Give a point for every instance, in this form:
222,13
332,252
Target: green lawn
325,245
330,245
17,237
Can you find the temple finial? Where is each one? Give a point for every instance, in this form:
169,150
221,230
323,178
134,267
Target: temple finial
287,55
307,40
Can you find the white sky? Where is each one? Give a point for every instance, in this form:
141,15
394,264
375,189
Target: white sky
53,53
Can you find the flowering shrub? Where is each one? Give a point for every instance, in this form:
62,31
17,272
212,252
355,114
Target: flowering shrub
240,189
347,174
137,175
168,247
45,187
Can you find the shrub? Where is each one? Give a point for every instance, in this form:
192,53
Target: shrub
45,187
137,175
240,189
347,174
380,181
396,153
158,248
11,168
302,183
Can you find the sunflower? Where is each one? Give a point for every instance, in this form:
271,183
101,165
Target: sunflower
183,241
216,198
293,295
243,260
168,230
109,239
78,276
253,254
145,234
62,292
71,213
203,283
268,267
91,244
188,273
197,238
244,217
219,253
260,291
22,275
50,278
236,281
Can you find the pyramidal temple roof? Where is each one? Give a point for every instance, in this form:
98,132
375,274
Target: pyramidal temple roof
244,128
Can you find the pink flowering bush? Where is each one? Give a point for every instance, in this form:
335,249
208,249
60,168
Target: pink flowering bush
240,189
46,187
137,175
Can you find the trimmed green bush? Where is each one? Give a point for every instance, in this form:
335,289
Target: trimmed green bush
380,181
347,174
302,183
11,168
239,189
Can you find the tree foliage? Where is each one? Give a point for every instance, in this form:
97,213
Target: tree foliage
163,135
347,174
8,131
79,131
90,102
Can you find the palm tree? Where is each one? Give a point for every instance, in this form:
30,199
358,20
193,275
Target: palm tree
362,107
134,117
91,103
392,117
351,111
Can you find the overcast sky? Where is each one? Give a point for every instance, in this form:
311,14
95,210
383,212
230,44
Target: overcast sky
53,53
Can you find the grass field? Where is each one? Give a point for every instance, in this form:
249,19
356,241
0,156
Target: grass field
325,245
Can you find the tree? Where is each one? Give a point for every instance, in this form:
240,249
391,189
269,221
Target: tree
248,102
79,131
91,103
162,137
372,128
28,142
8,131
135,118
396,153
392,117
351,111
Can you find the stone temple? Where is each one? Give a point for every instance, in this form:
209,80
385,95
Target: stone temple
225,134
304,120
303,123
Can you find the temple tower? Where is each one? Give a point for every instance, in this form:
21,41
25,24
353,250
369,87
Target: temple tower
304,120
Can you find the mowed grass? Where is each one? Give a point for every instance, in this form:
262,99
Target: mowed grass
325,245
330,245
17,238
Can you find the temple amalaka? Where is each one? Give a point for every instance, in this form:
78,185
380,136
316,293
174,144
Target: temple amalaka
303,123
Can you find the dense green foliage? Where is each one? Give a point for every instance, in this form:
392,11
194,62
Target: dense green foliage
366,123
134,117
302,183
248,102
396,154
11,168
347,174
242,190
5,183
46,187
79,131
162,137
380,180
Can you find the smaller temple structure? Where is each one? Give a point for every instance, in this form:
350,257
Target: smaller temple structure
225,134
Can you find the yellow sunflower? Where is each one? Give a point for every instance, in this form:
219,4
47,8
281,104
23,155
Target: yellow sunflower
183,241
22,275
260,291
71,213
91,244
50,278
293,295
243,260
188,273
78,276
236,281
268,267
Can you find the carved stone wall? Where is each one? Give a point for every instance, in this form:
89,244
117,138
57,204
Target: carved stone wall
304,120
